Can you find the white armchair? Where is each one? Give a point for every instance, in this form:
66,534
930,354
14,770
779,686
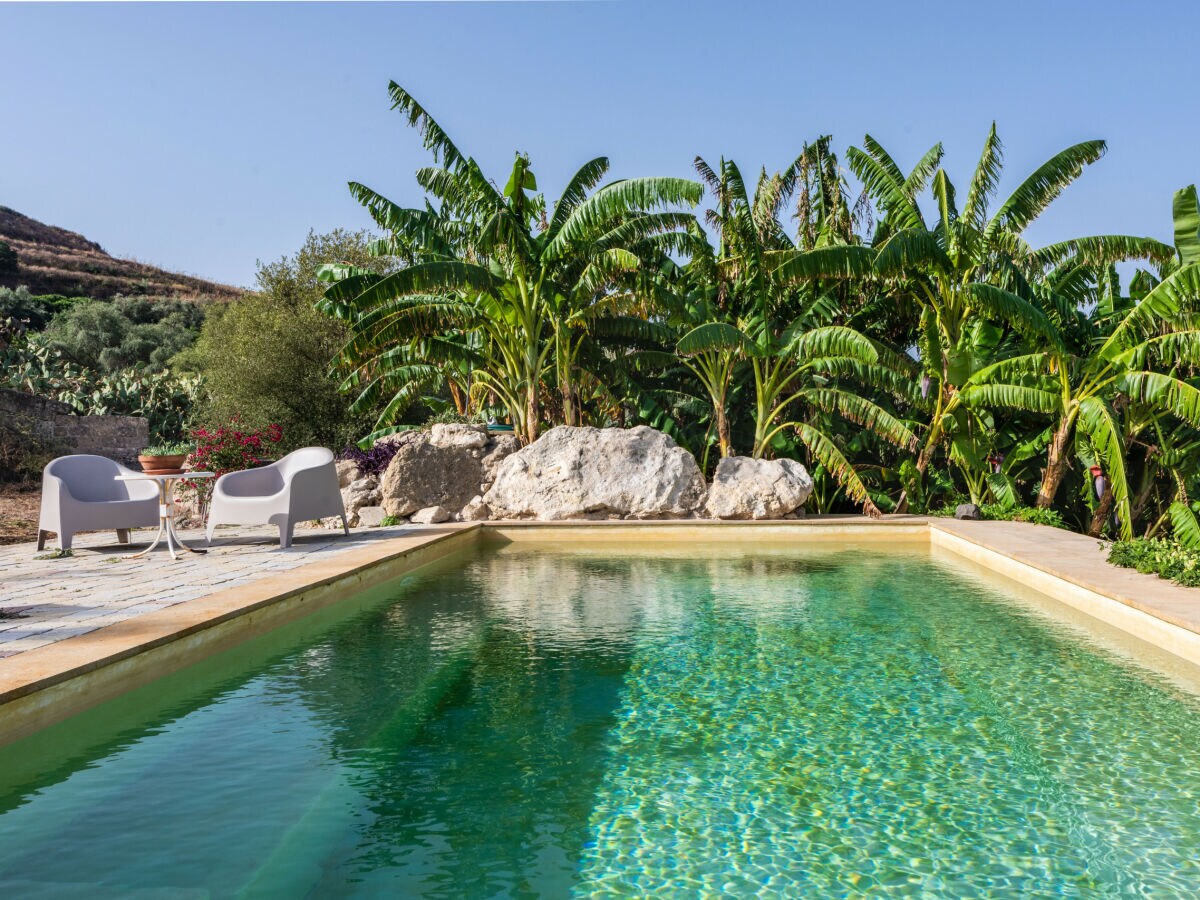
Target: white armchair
301,486
81,493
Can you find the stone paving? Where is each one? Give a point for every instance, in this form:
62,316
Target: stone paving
48,600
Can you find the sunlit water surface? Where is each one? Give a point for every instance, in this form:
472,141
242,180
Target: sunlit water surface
599,722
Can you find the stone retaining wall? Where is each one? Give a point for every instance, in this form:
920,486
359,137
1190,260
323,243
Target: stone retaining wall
62,431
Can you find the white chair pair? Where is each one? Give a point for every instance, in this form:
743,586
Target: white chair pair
81,493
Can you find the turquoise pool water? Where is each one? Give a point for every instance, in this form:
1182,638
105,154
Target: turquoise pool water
602,722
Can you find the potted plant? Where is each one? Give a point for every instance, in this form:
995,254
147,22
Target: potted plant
164,458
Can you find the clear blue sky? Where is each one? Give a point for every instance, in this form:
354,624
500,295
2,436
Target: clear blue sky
202,137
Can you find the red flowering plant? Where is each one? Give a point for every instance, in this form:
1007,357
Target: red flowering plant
227,448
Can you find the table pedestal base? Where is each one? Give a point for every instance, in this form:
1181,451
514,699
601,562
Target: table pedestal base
166,526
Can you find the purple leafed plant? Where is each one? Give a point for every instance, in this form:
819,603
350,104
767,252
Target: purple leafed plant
374,461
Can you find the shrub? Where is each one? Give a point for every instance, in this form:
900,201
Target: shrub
997,512
125,332
1166,559
373,461
8,259
229,448
266,357
164,400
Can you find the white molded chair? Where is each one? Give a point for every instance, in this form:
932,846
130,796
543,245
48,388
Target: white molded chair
301,486
81,493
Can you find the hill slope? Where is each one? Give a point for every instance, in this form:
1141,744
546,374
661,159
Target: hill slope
53,260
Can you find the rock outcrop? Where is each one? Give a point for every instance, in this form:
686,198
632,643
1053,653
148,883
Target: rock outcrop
598,473
357,494
746,488
446,467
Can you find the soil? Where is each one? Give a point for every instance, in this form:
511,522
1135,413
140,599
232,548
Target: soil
19,507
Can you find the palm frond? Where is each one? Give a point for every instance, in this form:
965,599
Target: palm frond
1041,188
435,139
984,181
595,215
825,451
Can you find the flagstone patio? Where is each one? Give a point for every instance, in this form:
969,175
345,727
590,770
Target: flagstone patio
47,600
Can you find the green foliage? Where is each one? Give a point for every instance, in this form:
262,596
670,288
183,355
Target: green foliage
30,364
266,356
125,332
1184,525
1031,514
56,554
169,448
1166,559
998,512
33,310
387,521
496,294
8,260
22,306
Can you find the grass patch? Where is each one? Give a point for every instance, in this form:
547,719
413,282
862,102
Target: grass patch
1166,559
56,554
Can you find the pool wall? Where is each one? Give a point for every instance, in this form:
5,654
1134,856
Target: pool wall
43,686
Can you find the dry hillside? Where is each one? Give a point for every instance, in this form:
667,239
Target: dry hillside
53,260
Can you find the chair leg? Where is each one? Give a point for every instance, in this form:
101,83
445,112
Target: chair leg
122,535
345,527
285,534
209,529
64,540
42,535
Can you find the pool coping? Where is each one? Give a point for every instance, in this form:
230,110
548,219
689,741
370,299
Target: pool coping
50,683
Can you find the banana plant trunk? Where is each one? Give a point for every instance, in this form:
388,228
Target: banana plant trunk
531,414
1100,516
1056,462
724,440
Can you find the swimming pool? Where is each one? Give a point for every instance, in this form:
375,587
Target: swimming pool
599,720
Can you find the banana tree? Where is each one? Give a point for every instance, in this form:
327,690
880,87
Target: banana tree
487,262
971,273
1081,390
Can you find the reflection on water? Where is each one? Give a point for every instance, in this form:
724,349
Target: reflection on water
699,719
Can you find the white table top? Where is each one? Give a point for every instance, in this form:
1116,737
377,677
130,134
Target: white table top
142,476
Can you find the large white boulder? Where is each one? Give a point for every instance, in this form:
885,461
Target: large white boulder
746,488
598,473
464,437
443,467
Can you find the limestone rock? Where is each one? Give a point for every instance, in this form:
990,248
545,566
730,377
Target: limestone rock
347,472
424,474
500,448
968,511
746,488
475,511
431,515
362,492
596,473
370,516
467,437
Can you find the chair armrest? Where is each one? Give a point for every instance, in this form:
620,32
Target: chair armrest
249,477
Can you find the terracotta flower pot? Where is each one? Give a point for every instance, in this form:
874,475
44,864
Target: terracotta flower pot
162,465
